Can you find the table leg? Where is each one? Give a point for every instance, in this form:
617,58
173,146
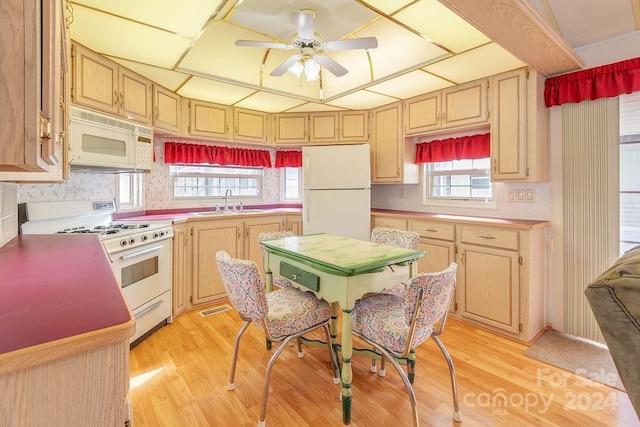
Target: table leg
268,288
347,350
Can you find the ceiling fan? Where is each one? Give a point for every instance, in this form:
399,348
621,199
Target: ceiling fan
310,48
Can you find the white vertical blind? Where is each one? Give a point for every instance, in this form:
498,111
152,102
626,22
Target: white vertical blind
590,197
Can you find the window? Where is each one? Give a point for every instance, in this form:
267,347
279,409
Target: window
459,180
129,191
629,173
208,182
291,185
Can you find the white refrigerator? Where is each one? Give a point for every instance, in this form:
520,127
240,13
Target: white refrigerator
337,190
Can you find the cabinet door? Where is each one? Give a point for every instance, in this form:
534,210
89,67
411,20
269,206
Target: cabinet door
210,237
253,228
95,80
167,110
209,119
250,125
180,270
353,126
294,223
422,113
488,286
387,144
438,256
135,96
465,104
291,128
389,222
323,127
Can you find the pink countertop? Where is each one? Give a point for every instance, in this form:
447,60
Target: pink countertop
55,288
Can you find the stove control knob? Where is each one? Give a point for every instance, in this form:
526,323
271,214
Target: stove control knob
162,234
123,243
156,235
143,238
132,241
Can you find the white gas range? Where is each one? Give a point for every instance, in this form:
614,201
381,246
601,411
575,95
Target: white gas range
140,253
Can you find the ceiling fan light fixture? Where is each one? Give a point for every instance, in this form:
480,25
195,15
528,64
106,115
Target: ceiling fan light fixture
311,70
296,69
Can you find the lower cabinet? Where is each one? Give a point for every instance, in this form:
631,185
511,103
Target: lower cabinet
501,269
252,229
180,269
294,223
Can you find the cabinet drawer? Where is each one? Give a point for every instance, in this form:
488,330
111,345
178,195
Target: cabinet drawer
434,229
396,223
306,279
488,236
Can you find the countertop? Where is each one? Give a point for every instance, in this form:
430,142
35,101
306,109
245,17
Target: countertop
59,297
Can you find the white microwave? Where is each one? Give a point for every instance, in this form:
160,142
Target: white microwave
101,143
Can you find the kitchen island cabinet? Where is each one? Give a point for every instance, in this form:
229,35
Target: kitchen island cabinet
501,265
64,334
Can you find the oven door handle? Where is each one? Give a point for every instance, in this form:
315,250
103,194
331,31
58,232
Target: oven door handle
141,252
148,309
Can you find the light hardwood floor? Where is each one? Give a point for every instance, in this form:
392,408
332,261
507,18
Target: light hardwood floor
179,377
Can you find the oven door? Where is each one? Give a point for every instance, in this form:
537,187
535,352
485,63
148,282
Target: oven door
144,273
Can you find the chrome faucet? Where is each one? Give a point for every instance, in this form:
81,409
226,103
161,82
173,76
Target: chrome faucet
227,193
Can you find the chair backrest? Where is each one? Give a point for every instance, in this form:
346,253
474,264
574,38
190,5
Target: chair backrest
398,238
243,283
269,235
430,294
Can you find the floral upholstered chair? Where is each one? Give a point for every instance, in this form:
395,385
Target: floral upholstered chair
277,281
283,314
400,239
396,326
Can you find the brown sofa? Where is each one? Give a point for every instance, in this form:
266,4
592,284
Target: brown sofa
615,301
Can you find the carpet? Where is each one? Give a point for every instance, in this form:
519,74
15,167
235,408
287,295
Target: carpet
577,355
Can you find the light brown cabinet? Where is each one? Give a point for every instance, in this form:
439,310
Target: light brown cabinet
252,229
294,223
33,88
323,127
167,110
102,84
250,125
209,120
181,270
291,128
518,127
389,222
392,158
459,106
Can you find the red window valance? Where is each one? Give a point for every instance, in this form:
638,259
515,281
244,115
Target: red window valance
594,83
464,147
289,159
183,153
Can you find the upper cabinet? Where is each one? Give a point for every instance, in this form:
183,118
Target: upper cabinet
323,127
209,119
327,127
291,128
518,127
392,160
250,125
32,78
353,126
102,84
167,110
457,106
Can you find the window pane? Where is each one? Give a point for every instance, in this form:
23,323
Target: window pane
194,181
460,179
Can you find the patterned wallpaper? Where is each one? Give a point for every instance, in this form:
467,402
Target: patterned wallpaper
90,186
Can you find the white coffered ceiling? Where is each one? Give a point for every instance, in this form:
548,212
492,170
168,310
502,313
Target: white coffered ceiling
188,46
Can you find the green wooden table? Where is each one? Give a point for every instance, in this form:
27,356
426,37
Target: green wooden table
340,270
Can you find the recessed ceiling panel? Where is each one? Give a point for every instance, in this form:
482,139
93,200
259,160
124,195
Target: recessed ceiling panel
268,102
481,62
358,73
362,100
215,54
113,36
398,49
213,91
171,80
176,16
334,19
442,26
410,84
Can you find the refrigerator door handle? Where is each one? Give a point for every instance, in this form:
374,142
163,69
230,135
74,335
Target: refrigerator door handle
305,170
306,206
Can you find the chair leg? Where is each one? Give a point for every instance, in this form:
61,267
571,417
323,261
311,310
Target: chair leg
408,386
231,386
300,352
454,384
267,379
411,366
382,371
332,356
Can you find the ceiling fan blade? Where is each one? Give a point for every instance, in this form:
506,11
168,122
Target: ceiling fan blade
331,65
361,43
269,45
282,68
304,24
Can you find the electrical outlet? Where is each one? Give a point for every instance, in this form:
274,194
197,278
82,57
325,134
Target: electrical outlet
402,193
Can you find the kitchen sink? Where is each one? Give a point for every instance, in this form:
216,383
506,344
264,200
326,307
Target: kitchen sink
223,213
